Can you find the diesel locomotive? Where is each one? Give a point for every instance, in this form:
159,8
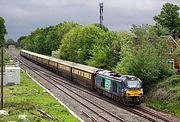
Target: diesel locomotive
124,88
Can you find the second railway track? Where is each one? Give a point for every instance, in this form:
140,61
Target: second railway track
72,91
95,108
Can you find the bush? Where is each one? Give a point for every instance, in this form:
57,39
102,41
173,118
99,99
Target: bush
145,57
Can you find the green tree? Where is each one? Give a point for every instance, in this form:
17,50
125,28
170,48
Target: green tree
20,40
56,34
46,40
2,31
103,27
106,50
77,43
169,17
158,30
144,56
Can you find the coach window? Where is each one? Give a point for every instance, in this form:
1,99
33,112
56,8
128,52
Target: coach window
89,76
80,73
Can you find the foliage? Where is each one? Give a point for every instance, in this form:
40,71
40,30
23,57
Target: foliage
178,41
102,27
20,40
46,40
106,50
77,44
56,34
159,30
6,57
169,17
27,97
144,56
2,31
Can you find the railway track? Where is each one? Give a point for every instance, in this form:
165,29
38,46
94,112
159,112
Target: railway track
138,110
59,83
75,96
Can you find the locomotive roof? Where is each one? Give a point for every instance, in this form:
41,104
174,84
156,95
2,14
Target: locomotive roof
115,75
109,74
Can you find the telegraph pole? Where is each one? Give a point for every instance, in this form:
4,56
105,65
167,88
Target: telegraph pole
101,14
1,78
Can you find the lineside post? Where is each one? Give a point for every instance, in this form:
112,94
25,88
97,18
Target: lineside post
1,78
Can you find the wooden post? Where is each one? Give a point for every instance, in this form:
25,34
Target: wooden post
1,78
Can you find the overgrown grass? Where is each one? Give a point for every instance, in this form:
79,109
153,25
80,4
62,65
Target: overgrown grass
165,106
6,57
27,97
166,95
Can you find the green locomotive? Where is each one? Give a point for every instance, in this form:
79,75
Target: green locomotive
124,88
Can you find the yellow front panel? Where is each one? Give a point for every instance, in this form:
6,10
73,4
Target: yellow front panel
134,93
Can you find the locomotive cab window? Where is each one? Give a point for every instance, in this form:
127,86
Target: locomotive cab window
133,84
115,87
103,83
121,87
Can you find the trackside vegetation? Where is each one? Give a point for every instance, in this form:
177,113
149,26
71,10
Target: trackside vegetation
3,31
6,58
143,52
166,95
27,98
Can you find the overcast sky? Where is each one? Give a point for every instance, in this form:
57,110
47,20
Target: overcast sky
24,16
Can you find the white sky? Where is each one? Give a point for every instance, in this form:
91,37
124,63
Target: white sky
24,16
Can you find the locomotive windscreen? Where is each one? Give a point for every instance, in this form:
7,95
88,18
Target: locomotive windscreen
133,84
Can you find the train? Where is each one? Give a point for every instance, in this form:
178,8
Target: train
126,89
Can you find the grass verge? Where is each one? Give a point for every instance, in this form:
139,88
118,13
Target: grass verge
27,98
166,95
6,57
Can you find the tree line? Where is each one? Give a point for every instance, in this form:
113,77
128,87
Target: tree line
141,52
